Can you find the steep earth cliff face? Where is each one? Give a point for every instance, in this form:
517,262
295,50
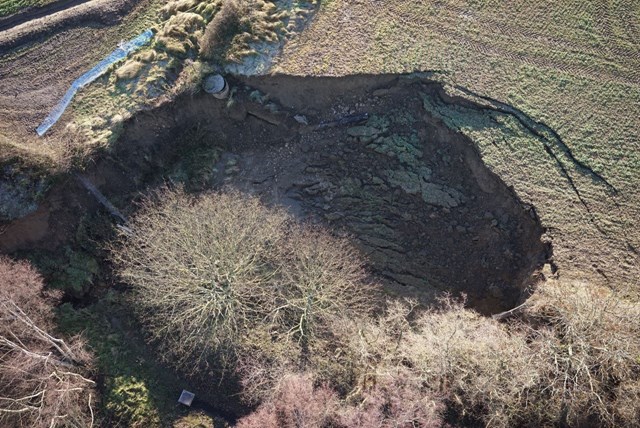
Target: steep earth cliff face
360,155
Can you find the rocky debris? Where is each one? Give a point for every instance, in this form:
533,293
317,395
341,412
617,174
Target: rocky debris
411,173
15,201
387,176
443,196
268,115
301,119
364,134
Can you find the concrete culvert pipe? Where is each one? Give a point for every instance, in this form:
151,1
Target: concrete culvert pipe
217,86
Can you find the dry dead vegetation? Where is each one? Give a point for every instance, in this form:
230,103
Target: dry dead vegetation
43,379
409,367
224,277
239,23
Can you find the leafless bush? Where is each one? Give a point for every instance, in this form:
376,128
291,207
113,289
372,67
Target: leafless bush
396,399
323,285
295,403
393,402
202,270
587,339
485,370
443,355
224,276
322,278
572,359
42,381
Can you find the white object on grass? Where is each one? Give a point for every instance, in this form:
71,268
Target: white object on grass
186,398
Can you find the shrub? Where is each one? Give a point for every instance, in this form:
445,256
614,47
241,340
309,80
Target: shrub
295,403
412,361
42,378
396,399
201,270
394,402
484,370
129,402
73,272
222,276
586,338
571,359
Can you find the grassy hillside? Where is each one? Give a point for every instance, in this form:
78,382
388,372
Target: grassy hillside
34,76
572,66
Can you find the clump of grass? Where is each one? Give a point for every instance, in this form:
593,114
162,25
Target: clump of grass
180,34
130,70
128,400
229,35
174,7
222,28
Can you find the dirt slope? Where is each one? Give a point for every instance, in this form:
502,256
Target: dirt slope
53,52
414,195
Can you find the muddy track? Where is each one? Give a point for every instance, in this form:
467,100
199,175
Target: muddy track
78,13
37,12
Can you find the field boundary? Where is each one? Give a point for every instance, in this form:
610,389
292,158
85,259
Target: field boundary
31,13
106,12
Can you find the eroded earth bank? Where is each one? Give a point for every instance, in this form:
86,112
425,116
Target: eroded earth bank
358,154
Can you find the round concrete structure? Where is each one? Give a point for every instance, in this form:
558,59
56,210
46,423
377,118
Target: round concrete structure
216,85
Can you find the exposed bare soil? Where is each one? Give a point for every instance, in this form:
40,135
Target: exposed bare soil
62,16
32,13
41,58
414,195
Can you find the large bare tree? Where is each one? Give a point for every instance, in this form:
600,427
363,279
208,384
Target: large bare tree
43,379
224,274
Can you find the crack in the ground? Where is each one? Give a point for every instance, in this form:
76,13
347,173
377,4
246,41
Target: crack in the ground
526,121
530,125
